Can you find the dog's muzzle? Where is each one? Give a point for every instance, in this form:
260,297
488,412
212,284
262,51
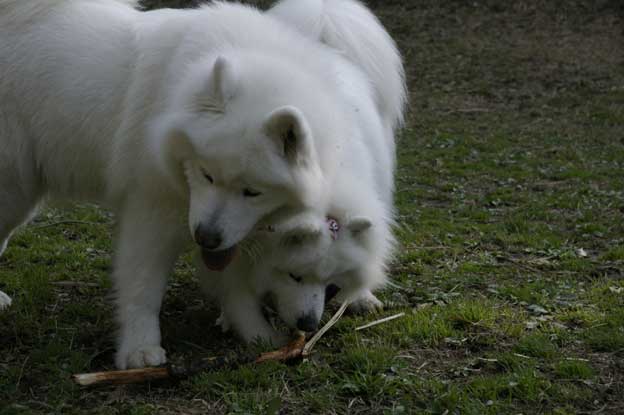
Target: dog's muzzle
307,322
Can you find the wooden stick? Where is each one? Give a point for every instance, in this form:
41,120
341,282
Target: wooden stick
293,350
380,321
170,371
307,349
122,377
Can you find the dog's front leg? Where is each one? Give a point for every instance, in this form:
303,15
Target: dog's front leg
364,302
148,244
243,312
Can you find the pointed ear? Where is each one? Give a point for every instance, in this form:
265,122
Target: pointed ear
220,87
288,128
359,224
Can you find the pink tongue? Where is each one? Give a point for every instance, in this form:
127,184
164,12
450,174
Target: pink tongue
218,260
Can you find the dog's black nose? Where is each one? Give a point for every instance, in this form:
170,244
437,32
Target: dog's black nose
208,238
307,323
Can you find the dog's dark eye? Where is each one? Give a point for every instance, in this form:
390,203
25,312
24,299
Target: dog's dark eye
251,193
207,176
295,277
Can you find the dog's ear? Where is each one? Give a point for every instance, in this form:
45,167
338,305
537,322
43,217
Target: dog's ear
288,128
358,224
169,145
219,89
178,146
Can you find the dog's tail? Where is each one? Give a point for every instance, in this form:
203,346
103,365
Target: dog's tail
20,11
351,28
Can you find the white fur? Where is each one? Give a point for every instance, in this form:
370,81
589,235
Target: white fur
135,110
359,189
351,28
5,301
302,246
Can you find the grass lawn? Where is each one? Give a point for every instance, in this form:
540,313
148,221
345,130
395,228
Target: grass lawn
511,205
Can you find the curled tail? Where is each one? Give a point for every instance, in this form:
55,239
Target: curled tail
351,28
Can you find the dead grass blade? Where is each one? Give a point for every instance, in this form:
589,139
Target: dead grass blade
380,321
307,349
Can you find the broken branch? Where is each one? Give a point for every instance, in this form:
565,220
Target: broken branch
293,350
122,377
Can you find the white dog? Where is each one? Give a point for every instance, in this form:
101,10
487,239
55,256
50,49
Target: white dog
346,243
208,120
300,262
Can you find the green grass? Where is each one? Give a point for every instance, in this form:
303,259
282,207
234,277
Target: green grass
510,200
573,369
537,345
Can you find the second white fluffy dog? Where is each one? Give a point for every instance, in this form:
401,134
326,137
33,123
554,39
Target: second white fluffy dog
345,241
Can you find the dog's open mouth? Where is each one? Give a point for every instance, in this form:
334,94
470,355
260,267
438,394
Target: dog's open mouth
218,260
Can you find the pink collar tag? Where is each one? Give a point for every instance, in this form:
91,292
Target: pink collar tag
334,227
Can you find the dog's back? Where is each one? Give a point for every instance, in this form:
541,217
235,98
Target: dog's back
351,28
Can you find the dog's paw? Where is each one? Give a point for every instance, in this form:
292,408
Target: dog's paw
367,303
5,301
223,322
143,357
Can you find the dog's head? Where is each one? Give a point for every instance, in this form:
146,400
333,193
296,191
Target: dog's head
241,147
313,258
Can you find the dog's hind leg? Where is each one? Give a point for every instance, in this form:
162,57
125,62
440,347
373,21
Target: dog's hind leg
19,196
18,200
5,300
15,209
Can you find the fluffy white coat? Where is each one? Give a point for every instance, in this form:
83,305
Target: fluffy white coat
209,120
300,258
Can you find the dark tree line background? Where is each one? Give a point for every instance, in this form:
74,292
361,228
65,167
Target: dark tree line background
589,6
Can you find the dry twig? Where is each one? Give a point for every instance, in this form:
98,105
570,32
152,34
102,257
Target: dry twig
380,321
295,349
122,377
292,350
307,349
